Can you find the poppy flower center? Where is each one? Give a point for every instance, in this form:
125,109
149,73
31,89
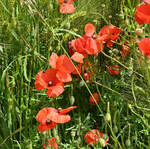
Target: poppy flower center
50,83
65,1
48,122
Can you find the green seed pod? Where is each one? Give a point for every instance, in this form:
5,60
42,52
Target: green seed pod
108,117
102,142
81,83
72,100
115,129
138,31
128,143
67,25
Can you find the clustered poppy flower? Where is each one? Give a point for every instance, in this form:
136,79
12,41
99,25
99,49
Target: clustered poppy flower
48,80
66,6
63,66
114,70
144,46
109,34
86,45
50,117
95,100
51,144
92,137
142,14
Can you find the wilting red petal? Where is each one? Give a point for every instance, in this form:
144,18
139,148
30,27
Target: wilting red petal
114,70
51,144
95,100
63,111
66,8
77,57
64,64
142,14
58,118
93,136
64,77
53,59
40,84
89,29
56,90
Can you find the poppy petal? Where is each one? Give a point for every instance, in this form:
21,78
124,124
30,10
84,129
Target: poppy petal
55,90
89,29
66,8
77,57
67,110
64,77
57,118
40,83
53,59
64,64
42,128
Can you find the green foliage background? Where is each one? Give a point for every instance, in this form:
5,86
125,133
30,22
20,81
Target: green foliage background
30,30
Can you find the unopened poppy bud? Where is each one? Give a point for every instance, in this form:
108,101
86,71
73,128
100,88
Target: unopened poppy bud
108,117
102,142
103,5
67,25
128,143
110,16
138,31
72,100
81,83
115,129
73,133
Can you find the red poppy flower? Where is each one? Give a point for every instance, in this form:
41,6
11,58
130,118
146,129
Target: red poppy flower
114,70
51,144
109,34
142,14
144,46
66,6
93,137
87,44
49,117
92,101
63,65
49,81
146,1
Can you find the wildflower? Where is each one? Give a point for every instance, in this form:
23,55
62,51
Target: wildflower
144,46
109,34
49,117
63,65
51,144
87,44
95,100
142,14
94,136
48,80
66,6
114,70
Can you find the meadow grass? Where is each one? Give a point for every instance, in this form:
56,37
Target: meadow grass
30,30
